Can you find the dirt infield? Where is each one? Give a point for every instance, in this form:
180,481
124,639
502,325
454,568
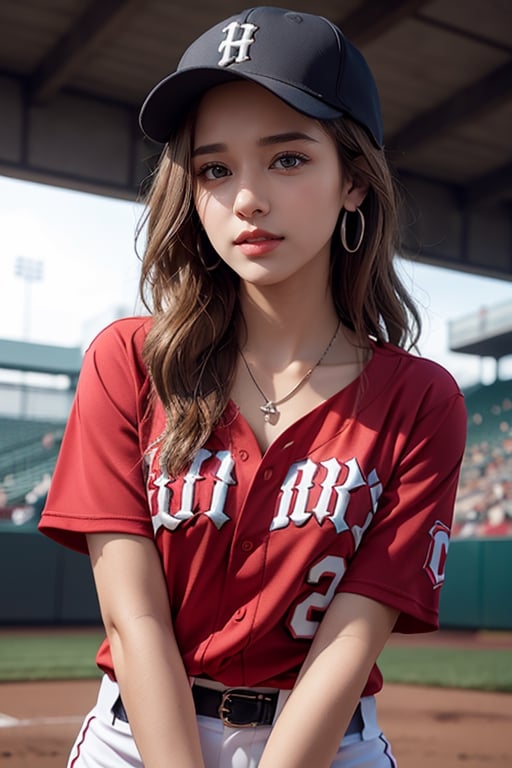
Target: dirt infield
428,727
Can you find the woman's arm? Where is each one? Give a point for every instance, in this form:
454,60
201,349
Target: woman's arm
316,715
154,685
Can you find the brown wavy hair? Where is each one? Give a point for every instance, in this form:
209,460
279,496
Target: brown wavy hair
192,348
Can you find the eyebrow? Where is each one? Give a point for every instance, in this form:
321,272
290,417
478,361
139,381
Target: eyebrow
265,141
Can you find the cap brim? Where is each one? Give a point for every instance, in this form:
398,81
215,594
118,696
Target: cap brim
170,100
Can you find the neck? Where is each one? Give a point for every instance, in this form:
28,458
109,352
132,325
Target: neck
283,325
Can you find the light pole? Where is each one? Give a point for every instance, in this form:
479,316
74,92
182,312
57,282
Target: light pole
30,271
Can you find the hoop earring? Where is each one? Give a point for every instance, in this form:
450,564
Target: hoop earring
361,224
200,255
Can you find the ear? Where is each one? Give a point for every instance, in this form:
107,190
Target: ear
356,189
355,194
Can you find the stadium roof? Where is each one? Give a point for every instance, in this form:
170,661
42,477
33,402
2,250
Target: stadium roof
487,332
40,358
73,74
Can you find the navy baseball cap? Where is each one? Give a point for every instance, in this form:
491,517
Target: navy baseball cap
303,59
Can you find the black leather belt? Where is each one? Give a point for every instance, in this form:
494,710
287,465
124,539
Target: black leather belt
237,707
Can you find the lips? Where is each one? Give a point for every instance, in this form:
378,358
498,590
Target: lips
256,236
257,243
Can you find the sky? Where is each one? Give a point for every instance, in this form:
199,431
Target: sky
85,245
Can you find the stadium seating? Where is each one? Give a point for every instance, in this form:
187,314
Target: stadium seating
484,499
489,412
28,451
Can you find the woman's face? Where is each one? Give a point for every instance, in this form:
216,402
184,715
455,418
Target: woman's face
268,185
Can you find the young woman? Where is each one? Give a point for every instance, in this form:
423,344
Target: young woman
262,475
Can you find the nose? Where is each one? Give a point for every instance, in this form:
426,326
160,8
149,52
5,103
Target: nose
250,201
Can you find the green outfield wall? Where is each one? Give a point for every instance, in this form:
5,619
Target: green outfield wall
45,584
477,592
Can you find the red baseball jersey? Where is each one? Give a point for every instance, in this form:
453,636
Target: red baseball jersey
356,496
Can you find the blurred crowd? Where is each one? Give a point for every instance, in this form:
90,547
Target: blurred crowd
484,499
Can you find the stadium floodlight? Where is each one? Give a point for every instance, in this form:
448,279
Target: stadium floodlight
30,271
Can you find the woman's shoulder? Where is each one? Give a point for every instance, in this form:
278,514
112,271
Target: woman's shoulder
412,371
124,336
114,355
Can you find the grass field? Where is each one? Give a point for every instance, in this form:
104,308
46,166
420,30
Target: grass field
487,670
33,656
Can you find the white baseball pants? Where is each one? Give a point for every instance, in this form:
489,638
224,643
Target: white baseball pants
102,743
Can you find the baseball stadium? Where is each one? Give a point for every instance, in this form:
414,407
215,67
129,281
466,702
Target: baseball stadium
447,701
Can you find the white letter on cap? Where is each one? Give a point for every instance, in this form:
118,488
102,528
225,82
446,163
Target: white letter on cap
236,50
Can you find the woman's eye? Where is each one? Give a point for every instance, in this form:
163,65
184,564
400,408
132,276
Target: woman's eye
213,172
289,161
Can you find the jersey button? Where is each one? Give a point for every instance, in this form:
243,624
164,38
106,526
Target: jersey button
240,614
243,455
267,474
247,546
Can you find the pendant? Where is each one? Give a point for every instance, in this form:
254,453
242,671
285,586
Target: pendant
269,409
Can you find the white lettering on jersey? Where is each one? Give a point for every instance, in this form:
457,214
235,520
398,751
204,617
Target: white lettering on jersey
296,490
234,50
189,483
223,479
163,499
296,503
375,488
435,562
354,480
375,492
302,625
220,491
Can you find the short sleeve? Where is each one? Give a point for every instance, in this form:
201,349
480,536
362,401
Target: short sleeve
401,559
98,483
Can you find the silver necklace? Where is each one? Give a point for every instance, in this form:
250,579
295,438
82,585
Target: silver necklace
269,408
